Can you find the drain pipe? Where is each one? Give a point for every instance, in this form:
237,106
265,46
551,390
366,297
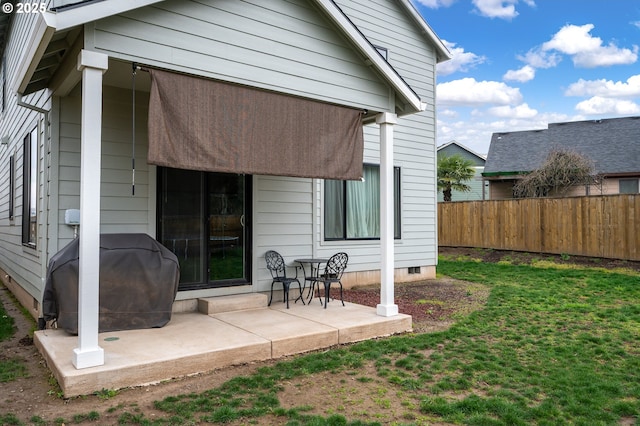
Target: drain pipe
46,156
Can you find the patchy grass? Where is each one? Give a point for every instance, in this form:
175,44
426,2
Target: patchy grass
554,345
10,368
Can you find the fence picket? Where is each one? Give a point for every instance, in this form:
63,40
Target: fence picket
595,226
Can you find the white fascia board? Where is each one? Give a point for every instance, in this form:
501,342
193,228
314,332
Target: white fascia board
50,22
35,48
370,52
443,52
73,17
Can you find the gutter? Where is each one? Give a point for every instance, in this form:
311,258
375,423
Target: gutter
496,174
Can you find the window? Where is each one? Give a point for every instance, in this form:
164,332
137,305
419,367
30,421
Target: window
352,208
12,185
4,85
628,186
30,188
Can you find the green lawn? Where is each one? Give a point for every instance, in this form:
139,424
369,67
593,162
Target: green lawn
553,346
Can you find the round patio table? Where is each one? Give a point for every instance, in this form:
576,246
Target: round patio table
312,276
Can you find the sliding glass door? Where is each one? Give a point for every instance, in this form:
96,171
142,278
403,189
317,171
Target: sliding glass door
203,218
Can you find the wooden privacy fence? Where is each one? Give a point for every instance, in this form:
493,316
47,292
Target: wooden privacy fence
597,226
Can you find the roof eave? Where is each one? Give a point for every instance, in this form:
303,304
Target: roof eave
442,53
35,48
409,97
49,22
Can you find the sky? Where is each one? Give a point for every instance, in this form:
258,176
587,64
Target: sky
522,64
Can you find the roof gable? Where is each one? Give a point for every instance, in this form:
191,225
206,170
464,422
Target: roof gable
453,147
52,24
612,144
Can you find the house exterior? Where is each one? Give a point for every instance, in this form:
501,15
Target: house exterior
87,138
612,145
477,184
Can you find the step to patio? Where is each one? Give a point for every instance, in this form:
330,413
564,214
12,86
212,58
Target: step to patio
236,302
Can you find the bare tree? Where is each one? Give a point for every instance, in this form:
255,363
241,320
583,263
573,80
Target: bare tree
562,170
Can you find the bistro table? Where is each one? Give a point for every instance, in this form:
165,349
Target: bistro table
314,273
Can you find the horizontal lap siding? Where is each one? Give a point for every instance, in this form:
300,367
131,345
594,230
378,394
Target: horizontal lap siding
282,221
286,46
387,26
25,265
120,210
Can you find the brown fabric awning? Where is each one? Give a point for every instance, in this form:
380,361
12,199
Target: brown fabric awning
200,124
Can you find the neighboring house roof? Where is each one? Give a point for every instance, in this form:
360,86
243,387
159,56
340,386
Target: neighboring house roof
612,144
454,147
34,72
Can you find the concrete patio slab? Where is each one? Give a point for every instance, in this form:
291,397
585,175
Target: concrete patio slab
289,334
193,343
354,322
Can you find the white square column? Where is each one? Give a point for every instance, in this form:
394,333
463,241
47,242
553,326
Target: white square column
386,308
89,353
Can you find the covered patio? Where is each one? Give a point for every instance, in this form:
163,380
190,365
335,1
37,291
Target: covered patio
229,330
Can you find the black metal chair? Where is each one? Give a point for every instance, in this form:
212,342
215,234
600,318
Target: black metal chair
278,269
333,272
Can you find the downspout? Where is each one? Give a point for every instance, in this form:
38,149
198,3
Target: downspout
46,156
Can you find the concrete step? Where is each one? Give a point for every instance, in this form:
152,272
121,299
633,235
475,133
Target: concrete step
236,302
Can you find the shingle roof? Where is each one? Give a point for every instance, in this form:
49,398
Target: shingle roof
612,144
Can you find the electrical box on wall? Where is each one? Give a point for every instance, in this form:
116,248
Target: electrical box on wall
72,217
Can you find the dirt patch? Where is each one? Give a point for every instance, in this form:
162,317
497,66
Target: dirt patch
525,258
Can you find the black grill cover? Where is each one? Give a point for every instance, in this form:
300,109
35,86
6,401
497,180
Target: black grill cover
138,284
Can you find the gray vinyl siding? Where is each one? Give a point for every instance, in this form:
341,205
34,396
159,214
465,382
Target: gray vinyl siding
476,183
386,25
25,265
120,211
283,222
457,150
285,46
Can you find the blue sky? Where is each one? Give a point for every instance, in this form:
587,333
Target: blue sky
521,64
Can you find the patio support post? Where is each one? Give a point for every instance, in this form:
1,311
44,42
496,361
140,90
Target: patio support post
386,308
89,353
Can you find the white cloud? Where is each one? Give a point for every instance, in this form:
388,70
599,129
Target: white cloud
606,88
448,113
636,24
503,9
435,4
606,56
586,50
524,74
469,92
460,61
598,105
539,59
520,111
572,39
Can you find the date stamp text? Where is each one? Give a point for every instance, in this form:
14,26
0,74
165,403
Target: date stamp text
24,7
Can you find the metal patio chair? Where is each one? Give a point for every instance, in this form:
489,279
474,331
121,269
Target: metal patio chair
333,272
278,269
